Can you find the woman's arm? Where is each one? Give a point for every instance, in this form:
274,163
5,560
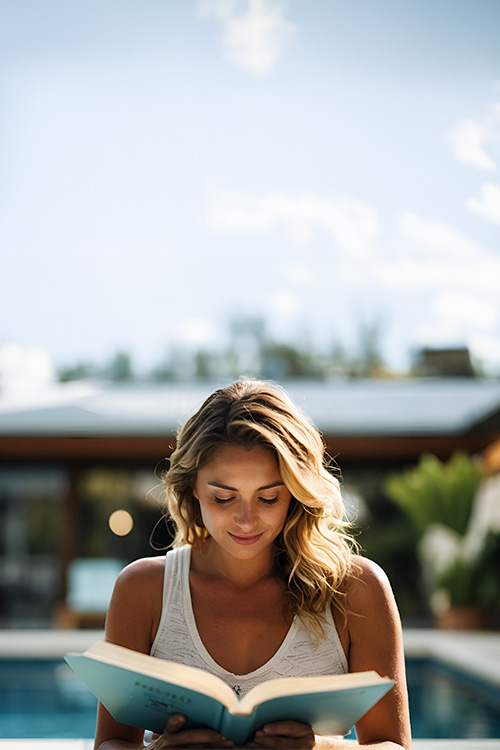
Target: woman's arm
376,642
132,620
372,638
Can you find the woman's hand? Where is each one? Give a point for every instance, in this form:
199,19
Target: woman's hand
175,736
285,734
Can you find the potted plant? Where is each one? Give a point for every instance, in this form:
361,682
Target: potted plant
458,555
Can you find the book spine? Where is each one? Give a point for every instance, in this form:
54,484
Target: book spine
238,728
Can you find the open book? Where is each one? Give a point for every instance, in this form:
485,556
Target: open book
143,691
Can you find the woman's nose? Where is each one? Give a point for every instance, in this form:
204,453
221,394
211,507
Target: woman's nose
245,515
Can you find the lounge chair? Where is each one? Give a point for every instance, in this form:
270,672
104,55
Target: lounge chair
90,584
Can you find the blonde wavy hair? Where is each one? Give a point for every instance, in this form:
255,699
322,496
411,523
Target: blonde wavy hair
314,550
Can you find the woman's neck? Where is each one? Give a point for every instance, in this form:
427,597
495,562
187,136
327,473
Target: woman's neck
212,560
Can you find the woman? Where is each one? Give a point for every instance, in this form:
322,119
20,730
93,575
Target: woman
262,581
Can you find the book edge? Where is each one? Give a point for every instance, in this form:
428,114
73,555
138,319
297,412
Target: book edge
319,684
181,675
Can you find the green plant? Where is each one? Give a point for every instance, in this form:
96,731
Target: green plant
437,493
458,580
487,580
459,561
474,581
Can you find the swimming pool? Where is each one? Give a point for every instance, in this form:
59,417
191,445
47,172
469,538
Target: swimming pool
43,698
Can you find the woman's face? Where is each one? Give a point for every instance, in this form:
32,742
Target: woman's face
243,499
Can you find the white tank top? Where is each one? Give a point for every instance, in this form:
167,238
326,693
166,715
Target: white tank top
178,639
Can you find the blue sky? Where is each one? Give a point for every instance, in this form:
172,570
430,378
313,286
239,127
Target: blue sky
167,165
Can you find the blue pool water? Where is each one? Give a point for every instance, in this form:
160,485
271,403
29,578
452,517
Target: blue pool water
45,699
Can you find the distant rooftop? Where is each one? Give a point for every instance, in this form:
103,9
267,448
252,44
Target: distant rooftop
432,406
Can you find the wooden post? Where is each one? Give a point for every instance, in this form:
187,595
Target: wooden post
70,533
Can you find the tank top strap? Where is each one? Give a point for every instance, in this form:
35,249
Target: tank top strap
172,559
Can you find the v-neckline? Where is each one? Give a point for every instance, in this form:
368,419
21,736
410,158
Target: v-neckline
202,650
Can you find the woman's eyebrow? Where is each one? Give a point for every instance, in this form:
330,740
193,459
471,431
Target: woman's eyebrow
221,486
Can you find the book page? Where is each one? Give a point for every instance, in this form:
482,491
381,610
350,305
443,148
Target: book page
305,685
171,672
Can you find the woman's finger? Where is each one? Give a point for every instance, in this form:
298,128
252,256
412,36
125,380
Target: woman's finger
282,734
175,736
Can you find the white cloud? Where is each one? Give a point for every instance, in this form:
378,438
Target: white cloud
467,142
460,310
488,204
285,303
24,371
486,348
254,37
300,274
433,255
435,236
476,142
480,275
352,226
195,331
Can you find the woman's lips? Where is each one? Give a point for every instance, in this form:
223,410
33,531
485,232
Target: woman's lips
245,539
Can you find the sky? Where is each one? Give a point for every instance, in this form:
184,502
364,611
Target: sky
167,166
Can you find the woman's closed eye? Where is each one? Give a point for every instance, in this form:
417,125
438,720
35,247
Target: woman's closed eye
265,500
269,500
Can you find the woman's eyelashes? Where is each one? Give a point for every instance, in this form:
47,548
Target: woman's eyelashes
223,500
269,500
264,500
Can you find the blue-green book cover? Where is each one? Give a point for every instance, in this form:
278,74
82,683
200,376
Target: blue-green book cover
143,691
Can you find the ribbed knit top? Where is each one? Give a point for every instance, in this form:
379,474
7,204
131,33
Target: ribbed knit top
178,639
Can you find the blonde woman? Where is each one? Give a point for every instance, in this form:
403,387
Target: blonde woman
262,580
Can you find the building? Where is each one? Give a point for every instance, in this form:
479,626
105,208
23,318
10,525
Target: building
71,457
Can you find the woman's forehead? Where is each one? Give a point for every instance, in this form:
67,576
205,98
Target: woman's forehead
231,457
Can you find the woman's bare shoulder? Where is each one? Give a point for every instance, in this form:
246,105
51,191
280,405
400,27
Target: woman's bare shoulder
135,606
368,586
146,572
365,569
